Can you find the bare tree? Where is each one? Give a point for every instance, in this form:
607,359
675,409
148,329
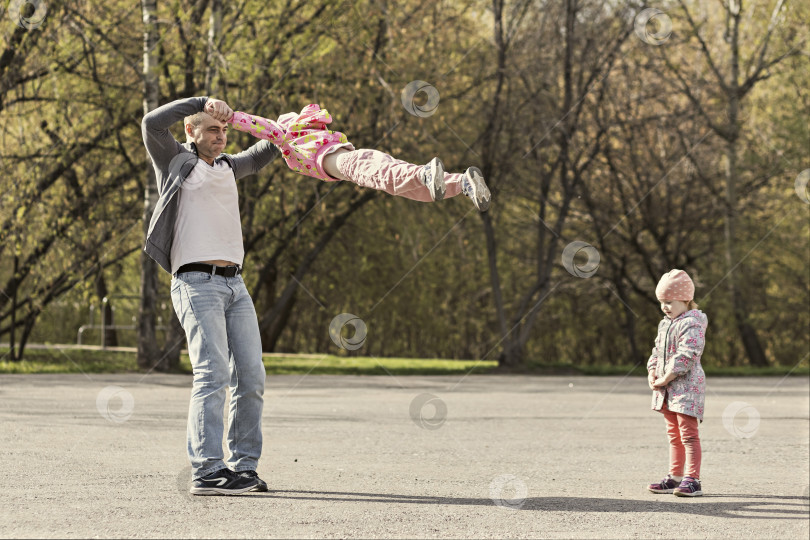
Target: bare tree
725,88
213,56
148,350
647,203
567,85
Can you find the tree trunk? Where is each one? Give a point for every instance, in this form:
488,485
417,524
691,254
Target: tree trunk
110,337
271,333
13,355
26,333
748,334
275,312
266,290
629,325
148,351
507,356
175,338
214,30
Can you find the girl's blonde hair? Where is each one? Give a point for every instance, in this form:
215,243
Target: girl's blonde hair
691,304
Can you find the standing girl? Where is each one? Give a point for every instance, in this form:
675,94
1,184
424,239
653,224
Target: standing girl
678,382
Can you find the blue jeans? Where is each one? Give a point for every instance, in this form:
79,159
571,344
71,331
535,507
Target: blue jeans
225,348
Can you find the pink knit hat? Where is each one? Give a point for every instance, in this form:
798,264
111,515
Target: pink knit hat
675,285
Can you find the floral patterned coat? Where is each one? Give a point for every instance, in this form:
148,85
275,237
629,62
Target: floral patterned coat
678,348
303,138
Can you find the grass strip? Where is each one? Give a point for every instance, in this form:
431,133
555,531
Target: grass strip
74,360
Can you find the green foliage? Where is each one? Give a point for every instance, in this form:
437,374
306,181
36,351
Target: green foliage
625,165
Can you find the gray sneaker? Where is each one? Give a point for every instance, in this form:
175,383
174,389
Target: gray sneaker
474,187
432,175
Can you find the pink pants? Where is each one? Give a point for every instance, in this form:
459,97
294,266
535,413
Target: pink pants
304,141
684,443
377,170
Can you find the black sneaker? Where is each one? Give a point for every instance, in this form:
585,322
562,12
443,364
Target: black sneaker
474,187
261,486
432,175
222,482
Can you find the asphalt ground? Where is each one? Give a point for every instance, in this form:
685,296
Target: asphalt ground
99,456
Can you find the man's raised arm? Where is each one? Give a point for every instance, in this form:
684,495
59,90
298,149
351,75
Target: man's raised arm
160,143
253,159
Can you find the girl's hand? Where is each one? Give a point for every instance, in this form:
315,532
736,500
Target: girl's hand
663,381
651,380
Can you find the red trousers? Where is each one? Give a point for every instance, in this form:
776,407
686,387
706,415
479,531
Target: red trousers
684,443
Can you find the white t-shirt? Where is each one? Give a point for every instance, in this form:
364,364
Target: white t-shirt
208,226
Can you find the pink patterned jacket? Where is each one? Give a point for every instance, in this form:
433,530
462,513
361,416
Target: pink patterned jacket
678,348
303,138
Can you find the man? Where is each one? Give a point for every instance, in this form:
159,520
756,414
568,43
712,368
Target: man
196,235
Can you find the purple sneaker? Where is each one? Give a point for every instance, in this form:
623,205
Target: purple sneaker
690,487
667,485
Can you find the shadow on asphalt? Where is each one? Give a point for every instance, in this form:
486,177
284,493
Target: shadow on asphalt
771,505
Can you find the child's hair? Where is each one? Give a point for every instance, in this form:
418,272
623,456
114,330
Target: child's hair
691,304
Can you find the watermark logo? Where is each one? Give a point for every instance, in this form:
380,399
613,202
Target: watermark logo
30,14
653,26
801,185
339,327
578,249
115,404
428,411
742,429
508,491
420,98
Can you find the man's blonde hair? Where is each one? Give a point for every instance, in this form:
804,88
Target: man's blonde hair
194,120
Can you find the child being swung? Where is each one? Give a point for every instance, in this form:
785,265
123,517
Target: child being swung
678,381
309,148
